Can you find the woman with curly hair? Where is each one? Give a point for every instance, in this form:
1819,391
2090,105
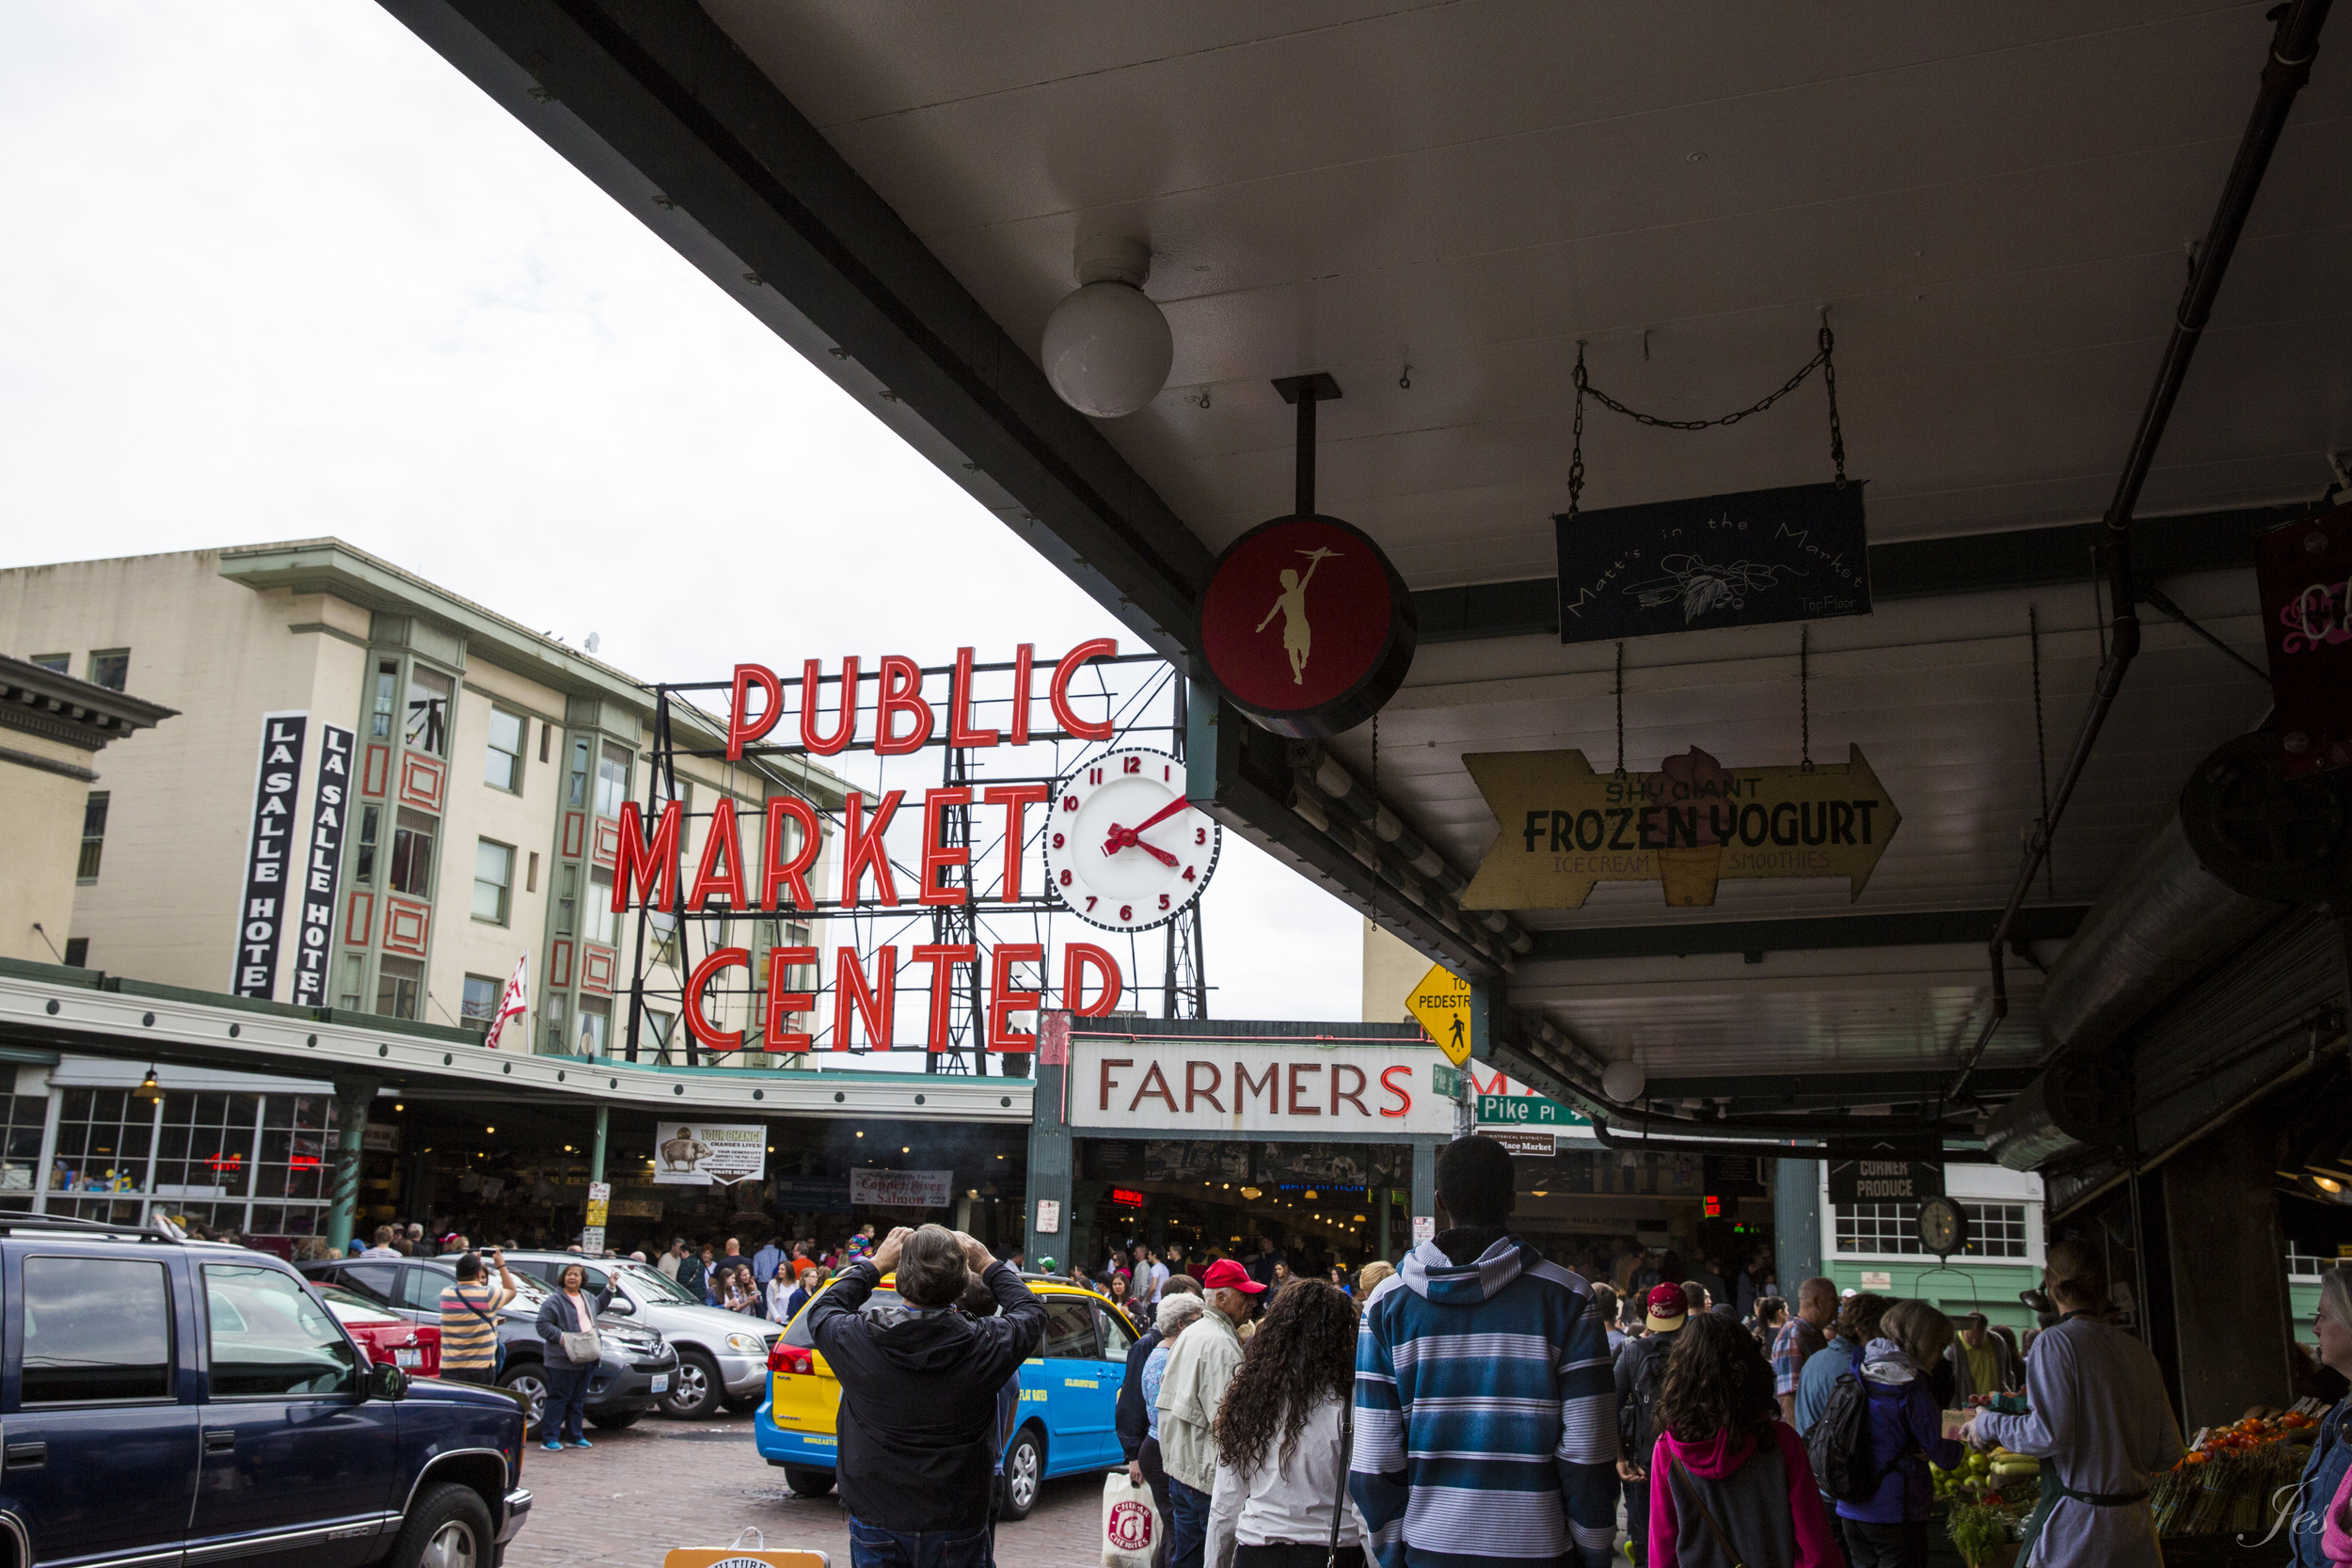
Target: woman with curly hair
1282,1438
1729,1481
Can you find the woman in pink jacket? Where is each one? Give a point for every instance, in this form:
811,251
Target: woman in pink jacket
1729,1481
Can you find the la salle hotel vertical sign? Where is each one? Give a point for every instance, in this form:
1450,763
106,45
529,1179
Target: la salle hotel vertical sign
262,916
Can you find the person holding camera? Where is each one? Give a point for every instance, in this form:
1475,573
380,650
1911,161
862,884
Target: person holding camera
919,1395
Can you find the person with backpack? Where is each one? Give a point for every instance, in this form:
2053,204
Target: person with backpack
470,1320
1641,1378
1729,1481
1885,1498
1856,1324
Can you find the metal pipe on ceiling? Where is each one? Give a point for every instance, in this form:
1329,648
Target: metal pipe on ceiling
2293,44
1617,1142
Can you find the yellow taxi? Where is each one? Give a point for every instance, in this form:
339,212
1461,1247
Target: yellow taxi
1065,1424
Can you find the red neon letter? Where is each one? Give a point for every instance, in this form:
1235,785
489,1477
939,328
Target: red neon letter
651,864
1065,716
1013,798
791,875
874,1007
862,846
1404,1098
742,730
775,1025
901,691
1076,959
943,957
845,732
960,730
1003,1001
1023,658
725,838
938,856
712,1037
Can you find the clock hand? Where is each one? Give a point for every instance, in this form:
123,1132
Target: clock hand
1123,837
1180,803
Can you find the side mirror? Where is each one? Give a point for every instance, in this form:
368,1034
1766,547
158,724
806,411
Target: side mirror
386,1381
621,1306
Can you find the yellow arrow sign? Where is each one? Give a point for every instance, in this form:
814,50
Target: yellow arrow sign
1690,825
1442,1004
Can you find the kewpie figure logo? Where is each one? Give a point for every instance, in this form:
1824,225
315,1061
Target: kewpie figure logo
1130,1524
1291,604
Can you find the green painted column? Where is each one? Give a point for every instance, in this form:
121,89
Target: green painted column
1796,1221
1050,1148
1424,1184
353,1097
596,1153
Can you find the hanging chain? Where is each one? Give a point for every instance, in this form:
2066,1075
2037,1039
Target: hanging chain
1576,440
1621,710
1376,818
2041,746
1805,698
1822,360
1829,380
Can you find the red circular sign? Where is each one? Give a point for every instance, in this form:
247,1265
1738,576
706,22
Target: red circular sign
1306,625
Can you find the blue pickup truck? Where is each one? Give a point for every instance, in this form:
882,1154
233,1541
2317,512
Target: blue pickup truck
165,1400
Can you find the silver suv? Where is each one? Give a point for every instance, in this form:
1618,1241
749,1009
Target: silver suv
722,1355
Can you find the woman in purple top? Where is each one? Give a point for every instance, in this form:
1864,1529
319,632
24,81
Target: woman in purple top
1889,1529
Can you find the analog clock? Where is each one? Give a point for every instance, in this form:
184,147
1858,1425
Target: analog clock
1123,848
1943,1227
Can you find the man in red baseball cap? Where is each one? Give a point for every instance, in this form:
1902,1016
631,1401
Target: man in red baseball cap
1198,1369
1641,1377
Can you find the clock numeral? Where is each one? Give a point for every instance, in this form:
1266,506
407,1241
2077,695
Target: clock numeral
1163,901
1201,836
1126,912
1058,841
1188,877
1134,764
1165,775
1094,775
1070,803
1065,879
1092,901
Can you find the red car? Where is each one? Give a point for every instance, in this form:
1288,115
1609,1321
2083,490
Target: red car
414,1348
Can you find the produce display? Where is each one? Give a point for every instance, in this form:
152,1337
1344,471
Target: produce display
1987,1496
2236,1479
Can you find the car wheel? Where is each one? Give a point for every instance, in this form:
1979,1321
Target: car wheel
529,1384
447,1526
1025,1472
806,1482
619,1421
696,1390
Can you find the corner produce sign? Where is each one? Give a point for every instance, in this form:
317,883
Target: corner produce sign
1689,825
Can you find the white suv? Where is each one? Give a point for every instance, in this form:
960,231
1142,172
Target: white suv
722,1355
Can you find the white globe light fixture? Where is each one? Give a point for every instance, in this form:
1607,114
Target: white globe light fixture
1623,1081
1107,348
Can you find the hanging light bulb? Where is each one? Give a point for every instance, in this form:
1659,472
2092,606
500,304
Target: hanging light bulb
1624,1082
148,1092
1107,348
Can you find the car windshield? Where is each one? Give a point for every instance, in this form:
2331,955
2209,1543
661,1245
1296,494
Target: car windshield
660,1287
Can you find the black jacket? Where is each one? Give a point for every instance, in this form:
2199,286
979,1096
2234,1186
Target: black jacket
918,1397
556,1319
1134,1421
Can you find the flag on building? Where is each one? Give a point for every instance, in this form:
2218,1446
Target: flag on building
515,1002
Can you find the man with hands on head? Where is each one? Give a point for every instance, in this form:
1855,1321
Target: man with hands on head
918,1396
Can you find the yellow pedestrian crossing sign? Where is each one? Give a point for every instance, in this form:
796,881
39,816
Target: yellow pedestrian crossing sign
1442,1004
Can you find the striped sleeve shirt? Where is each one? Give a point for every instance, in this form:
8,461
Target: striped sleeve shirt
469,1327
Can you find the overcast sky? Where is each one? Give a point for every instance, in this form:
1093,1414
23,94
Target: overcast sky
274,271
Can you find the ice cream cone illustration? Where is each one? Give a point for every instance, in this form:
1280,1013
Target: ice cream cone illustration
1688,873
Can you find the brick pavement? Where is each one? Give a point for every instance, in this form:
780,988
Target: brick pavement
661,1484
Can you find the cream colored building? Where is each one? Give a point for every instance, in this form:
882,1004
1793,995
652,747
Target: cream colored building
439,797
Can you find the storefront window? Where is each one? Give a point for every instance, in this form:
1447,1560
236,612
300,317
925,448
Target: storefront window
206,1147
103,1140
428,710
19,1147
297,1143
1994,1229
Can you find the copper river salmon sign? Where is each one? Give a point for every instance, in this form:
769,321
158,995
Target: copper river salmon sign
1689,826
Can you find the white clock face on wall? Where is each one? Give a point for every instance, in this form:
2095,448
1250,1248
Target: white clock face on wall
1123,846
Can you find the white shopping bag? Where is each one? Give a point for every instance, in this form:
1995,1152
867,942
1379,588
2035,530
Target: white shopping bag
1131,1525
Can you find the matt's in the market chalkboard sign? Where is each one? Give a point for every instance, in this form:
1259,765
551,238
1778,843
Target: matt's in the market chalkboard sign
1748,558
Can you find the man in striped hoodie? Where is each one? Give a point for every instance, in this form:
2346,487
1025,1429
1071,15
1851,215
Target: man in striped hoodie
1485,1408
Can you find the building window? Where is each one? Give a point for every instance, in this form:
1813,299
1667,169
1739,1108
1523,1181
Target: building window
103,1140
481,1003
206,1150
663,927
412,854
21,1118
531,872
297,1135
567,902
1994,1229
575,788
658,1027
93,837
370,831
386,699
546,729
604,925
493,880
554,1014
502,768
596,1024
350,994
110,668
77,952
612,780
428,709
56,664
399,986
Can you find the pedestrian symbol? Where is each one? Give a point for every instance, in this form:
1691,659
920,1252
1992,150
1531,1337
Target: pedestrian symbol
1442,1004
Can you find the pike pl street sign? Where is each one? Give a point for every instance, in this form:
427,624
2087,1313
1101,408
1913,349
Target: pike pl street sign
1690,825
